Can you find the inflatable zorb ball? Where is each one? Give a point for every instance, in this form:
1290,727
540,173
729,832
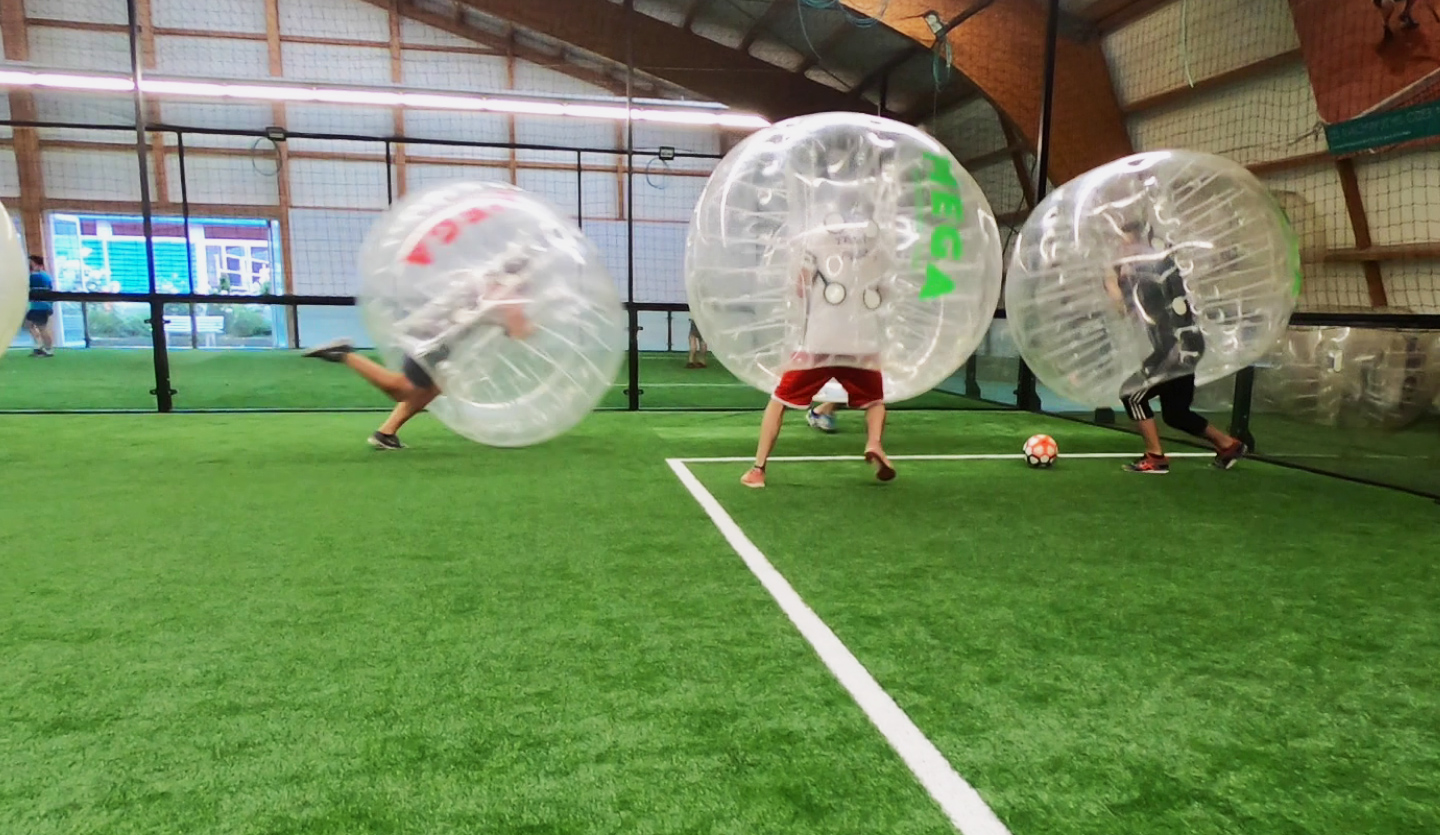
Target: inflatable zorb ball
14,282
502,301
1150,268
841,239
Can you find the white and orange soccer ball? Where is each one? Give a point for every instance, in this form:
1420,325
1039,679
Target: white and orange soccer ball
1041,451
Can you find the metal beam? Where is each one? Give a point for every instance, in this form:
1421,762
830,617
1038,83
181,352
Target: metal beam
823,48
762,22
681,58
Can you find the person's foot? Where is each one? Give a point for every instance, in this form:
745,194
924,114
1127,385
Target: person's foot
47,354
1149,464
692,364
825,423
1230,456
38,352
877,459
380,440
332,351
755,477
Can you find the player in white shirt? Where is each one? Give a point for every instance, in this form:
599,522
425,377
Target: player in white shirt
842,282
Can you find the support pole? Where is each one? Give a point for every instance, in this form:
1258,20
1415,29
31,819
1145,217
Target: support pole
1240,414
1025,394
163,393
633,392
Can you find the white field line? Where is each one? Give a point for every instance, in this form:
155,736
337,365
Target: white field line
957,798
1017,456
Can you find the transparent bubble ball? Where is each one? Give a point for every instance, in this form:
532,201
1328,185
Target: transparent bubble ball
504,303
1149,268
843,239
14,281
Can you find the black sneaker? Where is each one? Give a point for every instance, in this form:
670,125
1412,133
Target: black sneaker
1225,459
332,351
37,353
382,441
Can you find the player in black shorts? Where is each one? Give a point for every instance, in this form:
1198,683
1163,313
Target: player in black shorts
1149,282
482,299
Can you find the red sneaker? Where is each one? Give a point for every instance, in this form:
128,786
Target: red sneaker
1149,464
754,478
1228,457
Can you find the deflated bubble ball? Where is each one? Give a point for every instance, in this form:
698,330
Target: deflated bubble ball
841,239
14,280
1150,268
502,301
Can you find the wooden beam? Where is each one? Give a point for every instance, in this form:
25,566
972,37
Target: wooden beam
1355,206
684,59
510,85
206,34
1428,251
1284,60
761,22
1276,166
282,170
397,76
16,42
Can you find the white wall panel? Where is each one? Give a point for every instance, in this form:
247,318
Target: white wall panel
363,65
1328,286
1413,284
567,132
661,197
340,118
334,19
1248,123
601,194
1321,220
610,238
696,140
86,108
1001,186
539,79
212,57
415,32
324,245
1401,194
1153,54
9,174
558,188
247,16
660,262
468,127
971,130
80,11
421,175
79,49
245,181
338,183
90,175
234,116
475,74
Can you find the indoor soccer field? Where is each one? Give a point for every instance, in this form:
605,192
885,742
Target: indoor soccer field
253,623
383,385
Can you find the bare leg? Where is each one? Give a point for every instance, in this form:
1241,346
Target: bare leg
34,331
47,334
874,442
694,350
1151,433
393,383
826,408
1221,440
769,431
408,408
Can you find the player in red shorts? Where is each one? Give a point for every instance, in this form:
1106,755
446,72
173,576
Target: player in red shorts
841,285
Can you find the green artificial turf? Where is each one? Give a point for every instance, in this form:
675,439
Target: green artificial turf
255,624
235,379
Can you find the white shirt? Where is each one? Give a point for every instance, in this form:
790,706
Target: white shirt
844,297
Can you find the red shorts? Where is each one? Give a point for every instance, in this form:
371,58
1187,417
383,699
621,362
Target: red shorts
797,389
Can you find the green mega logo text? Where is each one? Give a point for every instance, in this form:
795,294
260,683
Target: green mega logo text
946,212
